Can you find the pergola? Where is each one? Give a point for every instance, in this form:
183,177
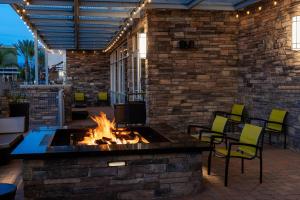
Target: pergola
87,24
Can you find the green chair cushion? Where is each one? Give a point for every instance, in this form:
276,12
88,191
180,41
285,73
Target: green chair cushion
250,135
102,96
276,115
219,124
79,96
237,109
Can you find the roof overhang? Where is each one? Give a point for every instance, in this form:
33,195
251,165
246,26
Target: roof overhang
90,25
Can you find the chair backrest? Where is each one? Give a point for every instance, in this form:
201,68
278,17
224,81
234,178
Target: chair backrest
237,109
102,96
219,124
277,115
79,96
12,125
250,135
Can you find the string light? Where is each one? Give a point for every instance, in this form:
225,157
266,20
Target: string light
259,8
126,24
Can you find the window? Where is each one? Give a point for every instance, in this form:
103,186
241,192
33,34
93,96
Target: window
296,33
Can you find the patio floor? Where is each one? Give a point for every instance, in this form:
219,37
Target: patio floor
281,180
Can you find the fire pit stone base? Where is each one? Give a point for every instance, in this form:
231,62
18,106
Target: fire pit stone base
155,176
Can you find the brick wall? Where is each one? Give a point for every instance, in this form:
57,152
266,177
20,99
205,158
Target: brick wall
185,86
88,72
268,67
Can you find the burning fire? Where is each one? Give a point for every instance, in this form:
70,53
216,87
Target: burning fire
106,133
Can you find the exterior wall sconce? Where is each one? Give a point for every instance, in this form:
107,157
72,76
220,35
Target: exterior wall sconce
142,45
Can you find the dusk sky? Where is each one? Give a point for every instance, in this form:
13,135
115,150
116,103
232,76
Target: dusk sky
12,27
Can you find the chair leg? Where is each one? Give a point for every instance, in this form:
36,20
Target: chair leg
270,139
189,129
260,167
226,171
209,162
284,140
242,165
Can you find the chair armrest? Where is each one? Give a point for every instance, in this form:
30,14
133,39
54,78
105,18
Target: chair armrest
210,131
195,126
232,138
257,119
280,123
266,121
221,113
235,115
213,137
198,126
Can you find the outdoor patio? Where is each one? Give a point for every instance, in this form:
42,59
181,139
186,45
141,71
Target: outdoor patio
130,100
281,178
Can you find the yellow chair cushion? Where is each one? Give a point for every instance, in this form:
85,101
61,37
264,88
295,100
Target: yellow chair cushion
196,136
219,124
276,115
223,152
237,109
102,96
79,96
250,135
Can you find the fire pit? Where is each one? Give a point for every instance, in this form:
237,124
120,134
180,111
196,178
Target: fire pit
107,162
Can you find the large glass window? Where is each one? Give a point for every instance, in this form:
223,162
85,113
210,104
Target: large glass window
118,62
296,33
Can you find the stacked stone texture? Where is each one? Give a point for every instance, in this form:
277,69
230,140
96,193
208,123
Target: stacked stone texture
269,68
157,176
43,101
88,72
4,109
186,85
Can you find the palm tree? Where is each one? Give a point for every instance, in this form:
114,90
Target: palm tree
25,48
3,54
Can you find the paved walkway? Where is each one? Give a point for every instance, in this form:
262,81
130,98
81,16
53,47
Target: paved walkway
281,180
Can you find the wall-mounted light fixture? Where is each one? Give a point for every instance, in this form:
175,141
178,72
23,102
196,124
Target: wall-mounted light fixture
142,45
117,164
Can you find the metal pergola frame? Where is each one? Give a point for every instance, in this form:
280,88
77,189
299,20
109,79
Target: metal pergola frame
91,24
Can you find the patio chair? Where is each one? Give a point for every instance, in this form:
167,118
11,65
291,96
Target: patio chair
79,99
217,129
102,98
275,125
236,116
247,147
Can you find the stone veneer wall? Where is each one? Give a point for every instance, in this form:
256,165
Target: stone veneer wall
43,101
268,67
186,86
88,72
155,176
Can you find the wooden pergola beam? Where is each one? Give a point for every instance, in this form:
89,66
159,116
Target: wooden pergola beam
76,22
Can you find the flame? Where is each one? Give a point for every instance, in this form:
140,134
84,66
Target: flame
106,131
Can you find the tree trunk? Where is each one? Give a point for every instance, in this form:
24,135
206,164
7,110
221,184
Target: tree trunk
26,70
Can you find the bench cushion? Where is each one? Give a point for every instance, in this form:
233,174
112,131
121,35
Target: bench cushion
12,125
8,141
